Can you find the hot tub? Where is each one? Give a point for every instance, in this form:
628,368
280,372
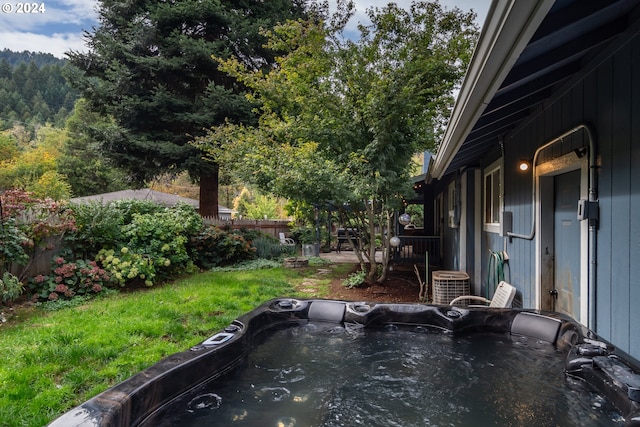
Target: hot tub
328,363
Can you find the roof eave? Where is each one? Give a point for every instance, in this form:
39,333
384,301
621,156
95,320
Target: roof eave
509,26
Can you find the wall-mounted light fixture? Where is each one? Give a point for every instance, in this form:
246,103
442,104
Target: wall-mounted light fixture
524,165
580,152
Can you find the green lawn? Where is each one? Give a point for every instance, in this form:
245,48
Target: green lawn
53,360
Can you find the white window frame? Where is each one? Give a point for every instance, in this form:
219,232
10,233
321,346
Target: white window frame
495,206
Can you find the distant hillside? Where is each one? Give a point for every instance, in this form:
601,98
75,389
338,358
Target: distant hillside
38,58
33,90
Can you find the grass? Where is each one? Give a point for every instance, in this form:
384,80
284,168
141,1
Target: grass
52,361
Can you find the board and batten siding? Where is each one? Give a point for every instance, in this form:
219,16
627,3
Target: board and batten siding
607,98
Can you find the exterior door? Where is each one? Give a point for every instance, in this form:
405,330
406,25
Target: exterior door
567,234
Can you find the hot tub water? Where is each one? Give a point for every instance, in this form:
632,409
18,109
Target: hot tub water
327,375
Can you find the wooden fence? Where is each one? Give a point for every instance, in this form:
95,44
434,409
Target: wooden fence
267,226
39,260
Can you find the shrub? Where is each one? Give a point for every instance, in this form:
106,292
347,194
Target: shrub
12,245
163,236
354,279
129,267
98,227
69,279
154,244
38,219
214,246
268,247
10,287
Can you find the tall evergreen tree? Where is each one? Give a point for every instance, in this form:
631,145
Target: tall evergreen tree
150,67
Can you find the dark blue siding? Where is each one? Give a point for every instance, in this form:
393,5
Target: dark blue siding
608,99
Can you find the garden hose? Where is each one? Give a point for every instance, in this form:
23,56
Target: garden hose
496,266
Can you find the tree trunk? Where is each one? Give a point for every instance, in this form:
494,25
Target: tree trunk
209,193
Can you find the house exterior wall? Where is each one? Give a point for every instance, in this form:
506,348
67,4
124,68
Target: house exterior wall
607,98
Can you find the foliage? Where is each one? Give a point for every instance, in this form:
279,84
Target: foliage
41,221
98,227
417,214
78,300
163,236
12,245
215,246
53,185
154,243
254,205
128,267
69,279
250,265
344,127
268,247
33,163
10,287
33,89
150,69
88,171
355,279
304,235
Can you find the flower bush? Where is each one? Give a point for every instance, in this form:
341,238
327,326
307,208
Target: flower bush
127,267
68,279
155,245
38,219
215,246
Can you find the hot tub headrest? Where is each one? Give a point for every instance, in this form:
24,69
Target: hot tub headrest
327,311
536,326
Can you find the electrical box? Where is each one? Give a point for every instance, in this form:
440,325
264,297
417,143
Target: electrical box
506,223
587,210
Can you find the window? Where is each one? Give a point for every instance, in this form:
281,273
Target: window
492,196
451,198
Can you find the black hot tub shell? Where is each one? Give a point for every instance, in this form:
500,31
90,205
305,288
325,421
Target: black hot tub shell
609,371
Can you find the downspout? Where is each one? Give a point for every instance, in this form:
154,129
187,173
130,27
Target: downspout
593,212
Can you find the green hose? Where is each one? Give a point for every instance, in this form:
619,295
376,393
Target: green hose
496,266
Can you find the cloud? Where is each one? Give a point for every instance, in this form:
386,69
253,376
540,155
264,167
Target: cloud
56,29
55,44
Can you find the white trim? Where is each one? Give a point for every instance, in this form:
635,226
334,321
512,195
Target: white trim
557,166
492,227
477,255
509,26
462,247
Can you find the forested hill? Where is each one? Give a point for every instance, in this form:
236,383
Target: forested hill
33,90
38,58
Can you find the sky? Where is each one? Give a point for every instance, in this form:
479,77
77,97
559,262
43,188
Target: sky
57,26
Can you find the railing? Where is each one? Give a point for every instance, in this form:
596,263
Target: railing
412,250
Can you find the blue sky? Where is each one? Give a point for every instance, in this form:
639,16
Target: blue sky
59,28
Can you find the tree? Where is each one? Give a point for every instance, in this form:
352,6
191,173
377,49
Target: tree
341,120
87,170
253,205
150,68
33,165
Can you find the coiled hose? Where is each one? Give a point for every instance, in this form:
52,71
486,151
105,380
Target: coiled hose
495,272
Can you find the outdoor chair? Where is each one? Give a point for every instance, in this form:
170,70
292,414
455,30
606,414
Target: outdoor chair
287,241
502,297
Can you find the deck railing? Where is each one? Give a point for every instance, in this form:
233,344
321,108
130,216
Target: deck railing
412,250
